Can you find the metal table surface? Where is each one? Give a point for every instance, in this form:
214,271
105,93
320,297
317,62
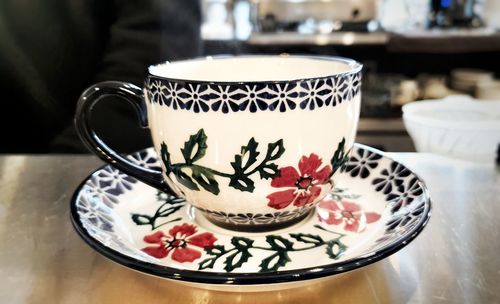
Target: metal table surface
456,259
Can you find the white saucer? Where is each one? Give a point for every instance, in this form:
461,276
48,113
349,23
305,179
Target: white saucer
378,207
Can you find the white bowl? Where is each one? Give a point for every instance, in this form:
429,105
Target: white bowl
488,90
457,126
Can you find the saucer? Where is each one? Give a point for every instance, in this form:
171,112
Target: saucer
377,207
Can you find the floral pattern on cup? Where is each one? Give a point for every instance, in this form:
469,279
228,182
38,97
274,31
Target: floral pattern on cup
306,94
303,185
256,218
245,165
180,241
346,213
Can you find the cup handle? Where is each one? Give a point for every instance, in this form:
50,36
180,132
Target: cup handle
134,95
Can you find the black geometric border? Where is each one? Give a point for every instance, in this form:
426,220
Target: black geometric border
253,97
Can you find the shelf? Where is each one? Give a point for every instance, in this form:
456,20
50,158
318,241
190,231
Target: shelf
343,38
391,125
445,42
424,42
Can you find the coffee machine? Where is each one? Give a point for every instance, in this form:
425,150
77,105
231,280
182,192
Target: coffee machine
453,13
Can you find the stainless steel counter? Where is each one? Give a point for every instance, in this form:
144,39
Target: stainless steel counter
42,260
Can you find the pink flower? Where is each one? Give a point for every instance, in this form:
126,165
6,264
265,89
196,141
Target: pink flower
347,213
303,187
178,239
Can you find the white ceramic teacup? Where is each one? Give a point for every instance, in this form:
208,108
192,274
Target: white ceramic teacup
253,141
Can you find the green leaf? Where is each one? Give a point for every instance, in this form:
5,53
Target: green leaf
268,171
308,238
240,179
335,248
207,263
241,182
216,252
241,242
347,157
154,225
170,205
169,199
141,219
237,259
249,152
279,243
352,196
198,140
274,261
184,179
166,209
165,157
340,157
247,158
275,150
205,179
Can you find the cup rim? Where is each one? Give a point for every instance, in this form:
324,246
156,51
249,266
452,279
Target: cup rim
355,67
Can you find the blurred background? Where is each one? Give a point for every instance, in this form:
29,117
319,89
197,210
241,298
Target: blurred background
411,50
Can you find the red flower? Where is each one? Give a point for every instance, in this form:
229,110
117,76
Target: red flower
351,214
304,187
178,241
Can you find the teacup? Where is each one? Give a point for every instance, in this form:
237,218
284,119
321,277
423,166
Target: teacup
253,142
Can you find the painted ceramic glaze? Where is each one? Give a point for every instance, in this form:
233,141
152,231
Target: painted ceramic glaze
253,142
377,207
253,148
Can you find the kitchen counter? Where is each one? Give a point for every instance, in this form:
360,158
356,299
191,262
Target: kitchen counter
42,259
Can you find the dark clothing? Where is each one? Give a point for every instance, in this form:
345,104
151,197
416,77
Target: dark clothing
52,50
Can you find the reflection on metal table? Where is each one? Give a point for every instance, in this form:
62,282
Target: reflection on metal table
42,259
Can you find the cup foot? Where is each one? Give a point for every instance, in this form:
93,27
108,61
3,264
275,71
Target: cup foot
256,222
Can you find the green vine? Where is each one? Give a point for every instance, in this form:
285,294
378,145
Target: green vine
170,204
279,246
244,165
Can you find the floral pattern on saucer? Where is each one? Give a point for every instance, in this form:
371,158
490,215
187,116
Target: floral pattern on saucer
179,240
372,213
348,214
